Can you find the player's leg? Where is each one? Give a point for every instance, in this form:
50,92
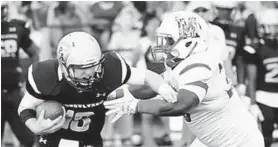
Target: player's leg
161,136
108,131
124,127
23,134
137,138
268,123
4,113
148,130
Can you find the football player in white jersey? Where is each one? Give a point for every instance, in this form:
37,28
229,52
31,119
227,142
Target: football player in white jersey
211,107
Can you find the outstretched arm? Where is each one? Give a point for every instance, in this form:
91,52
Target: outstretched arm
186,101
128,104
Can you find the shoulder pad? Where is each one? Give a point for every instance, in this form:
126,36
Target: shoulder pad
45,75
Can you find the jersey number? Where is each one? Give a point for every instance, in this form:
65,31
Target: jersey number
8,48
272,75
80,122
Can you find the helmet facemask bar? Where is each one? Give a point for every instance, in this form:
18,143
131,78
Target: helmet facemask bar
164,50
84,84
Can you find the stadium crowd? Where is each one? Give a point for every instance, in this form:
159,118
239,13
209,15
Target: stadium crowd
237,32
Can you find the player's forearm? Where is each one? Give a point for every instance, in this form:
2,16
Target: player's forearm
142,92
186,101
240,70
154,107
31,124
28,119
33,52
251,88
252,82
162,108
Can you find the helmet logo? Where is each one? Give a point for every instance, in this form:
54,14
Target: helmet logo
187,28
62,54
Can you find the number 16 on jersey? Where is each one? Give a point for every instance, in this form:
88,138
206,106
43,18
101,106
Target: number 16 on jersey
73,121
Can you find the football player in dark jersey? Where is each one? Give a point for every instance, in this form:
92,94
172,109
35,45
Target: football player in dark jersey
80,78
262,73
14,36
225,12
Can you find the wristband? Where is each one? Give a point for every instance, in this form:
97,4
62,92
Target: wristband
27,114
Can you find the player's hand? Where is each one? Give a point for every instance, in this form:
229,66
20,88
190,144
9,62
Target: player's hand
241,89
168,93
43,124
123,106
256,112
58,125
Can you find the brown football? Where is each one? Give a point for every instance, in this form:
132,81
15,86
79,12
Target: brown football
52,109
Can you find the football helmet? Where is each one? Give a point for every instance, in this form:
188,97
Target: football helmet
224,11
79,51
4,10
180,34
268,24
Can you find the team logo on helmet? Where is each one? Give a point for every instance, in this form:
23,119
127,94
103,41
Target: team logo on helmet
187,28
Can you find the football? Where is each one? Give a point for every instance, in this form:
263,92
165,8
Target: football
52,109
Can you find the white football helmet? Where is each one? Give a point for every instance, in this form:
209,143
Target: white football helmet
180,34
79,50
268,24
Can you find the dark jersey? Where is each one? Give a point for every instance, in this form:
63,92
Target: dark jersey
234,35
266,60
235,39
85,111
14,35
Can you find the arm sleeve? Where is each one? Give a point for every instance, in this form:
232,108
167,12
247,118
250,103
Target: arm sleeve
251,29
125,70
31,85
195,78
131,75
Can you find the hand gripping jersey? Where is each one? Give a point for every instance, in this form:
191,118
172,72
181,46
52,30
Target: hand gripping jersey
85,112
220,119
14,35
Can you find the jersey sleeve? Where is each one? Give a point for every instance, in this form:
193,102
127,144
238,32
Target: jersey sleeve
42,79
116,71
195,78
250,54
31,85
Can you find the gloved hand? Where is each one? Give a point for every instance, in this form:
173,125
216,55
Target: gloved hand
126,105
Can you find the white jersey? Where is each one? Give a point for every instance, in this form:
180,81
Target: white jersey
220,119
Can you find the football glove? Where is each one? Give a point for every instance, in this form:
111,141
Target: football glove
126,105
